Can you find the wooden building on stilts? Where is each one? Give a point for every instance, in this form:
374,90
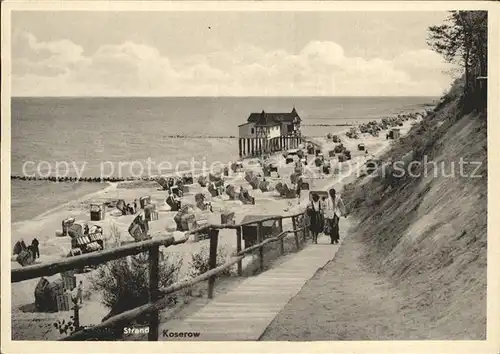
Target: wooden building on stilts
269,132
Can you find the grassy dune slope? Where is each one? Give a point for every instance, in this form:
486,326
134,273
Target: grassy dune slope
428,233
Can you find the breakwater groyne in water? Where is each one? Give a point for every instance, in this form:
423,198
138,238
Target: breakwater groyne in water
329,125
82,179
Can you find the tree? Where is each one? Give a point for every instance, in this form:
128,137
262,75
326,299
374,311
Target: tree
463,39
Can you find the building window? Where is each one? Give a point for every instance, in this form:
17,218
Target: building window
252,131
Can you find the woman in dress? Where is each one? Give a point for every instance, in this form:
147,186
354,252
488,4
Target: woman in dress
315,213
334,209
299,188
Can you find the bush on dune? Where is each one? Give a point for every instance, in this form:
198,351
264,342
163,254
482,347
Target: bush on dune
199,262
124,283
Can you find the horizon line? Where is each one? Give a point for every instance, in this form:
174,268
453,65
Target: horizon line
268,96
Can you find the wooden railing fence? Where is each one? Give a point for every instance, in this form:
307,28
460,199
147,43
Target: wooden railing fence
159,297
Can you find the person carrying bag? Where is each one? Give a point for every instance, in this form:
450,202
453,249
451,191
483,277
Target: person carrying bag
334,209
315,213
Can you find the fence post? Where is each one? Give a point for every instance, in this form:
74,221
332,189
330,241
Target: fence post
76,314
154,254
212,261
295,233
238,250
282,239
260,238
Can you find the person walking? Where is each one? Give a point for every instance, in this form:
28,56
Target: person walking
299,189
79,292
334,209
35,248
315,213
323,203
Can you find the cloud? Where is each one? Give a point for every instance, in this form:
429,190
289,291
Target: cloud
62,68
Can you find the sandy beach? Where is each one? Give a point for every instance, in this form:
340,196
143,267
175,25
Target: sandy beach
45,226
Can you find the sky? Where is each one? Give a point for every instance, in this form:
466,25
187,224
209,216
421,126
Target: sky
76,53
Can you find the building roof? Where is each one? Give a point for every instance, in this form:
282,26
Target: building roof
245,124
264,118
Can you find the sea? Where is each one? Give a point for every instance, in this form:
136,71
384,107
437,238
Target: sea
132,136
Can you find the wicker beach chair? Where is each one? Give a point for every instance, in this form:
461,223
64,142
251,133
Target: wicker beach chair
184,218
213,190
279,188
162,181
187,178
202,181
122,206
231,192
139,229
173,204
339,148
212,177
18,248
254,182
66,224
144,200
47,294
150,213
289,193
25,257
246,198
75,230
264,186
249,176
227,218
266,169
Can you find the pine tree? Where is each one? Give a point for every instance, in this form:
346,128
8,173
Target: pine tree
463,39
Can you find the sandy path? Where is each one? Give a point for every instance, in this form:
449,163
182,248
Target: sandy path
347,301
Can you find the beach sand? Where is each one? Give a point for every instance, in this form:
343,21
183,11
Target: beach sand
30,325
